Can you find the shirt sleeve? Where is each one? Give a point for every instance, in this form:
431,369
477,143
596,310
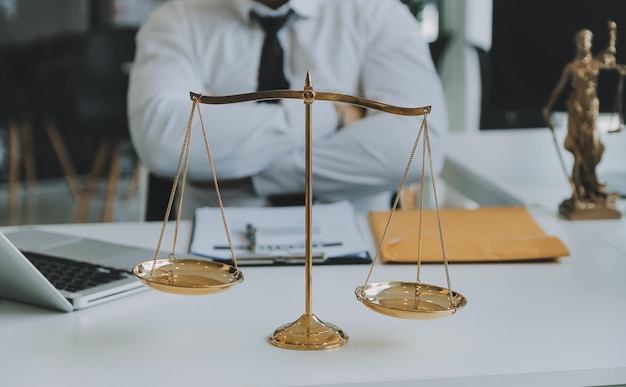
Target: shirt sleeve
370,156
244,138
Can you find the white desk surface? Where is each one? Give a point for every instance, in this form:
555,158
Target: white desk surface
541,324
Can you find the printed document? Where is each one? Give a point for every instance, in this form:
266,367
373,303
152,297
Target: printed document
276,235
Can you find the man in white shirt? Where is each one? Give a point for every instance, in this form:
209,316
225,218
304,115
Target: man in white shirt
369,48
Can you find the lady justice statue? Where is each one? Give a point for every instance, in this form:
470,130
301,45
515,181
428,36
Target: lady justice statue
589,199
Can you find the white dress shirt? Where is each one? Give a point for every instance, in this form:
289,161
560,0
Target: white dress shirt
369,48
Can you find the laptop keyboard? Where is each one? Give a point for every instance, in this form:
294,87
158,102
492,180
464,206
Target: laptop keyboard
73,276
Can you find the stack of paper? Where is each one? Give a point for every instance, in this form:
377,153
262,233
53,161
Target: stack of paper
279,234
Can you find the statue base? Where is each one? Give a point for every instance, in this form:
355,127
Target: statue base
574,209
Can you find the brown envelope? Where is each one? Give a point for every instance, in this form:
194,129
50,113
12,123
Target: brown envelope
479,235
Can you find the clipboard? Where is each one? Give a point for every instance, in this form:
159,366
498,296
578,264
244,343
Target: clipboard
485,234
279,235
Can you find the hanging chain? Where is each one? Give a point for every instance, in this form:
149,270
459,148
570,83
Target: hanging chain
217,189
184,153
426,151
424,130
397,199
182,167
443,246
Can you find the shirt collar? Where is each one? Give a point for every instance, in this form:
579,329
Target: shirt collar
302,8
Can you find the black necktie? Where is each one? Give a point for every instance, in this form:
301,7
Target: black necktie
271,76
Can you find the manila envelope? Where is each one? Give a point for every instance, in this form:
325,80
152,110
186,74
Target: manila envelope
485,234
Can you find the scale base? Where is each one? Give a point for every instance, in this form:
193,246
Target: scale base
308,333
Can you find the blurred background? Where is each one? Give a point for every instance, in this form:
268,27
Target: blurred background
65,154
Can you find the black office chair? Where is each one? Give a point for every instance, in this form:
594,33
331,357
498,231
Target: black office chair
15,124
101,110
38,81
158,195
56,61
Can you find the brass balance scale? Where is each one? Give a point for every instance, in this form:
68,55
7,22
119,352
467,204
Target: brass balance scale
190,276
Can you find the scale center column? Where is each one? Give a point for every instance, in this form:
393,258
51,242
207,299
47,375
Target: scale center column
308,332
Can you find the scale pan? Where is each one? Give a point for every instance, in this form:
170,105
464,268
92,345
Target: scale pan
409,300
187,276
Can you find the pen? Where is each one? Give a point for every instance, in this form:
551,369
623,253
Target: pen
251,237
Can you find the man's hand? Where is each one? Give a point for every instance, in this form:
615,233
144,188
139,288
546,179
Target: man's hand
347,114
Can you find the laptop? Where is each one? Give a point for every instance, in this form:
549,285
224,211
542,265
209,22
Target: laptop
65,272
